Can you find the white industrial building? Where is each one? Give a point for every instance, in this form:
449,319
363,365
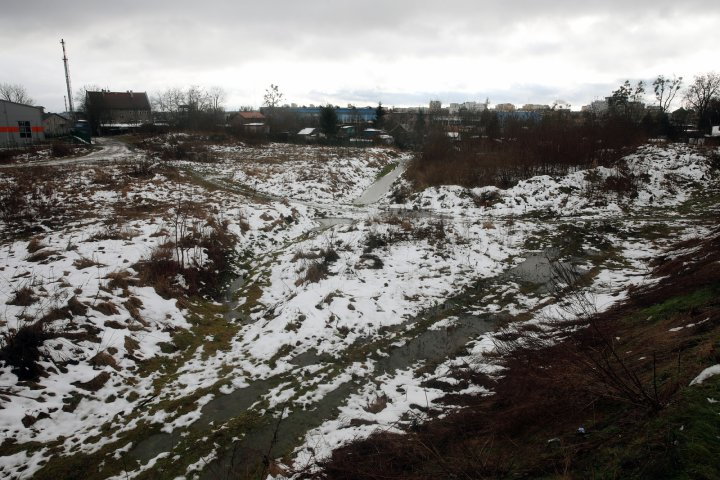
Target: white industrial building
20,124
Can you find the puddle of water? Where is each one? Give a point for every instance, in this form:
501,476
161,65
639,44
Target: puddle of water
378,189
233,304
246,456
545,269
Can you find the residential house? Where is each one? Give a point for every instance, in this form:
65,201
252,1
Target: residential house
253,123
309,134
347,131
56,125
117,110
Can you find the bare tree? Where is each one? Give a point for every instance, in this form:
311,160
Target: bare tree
194,107
272,97
14,92
169,101
217,97
626,101
197,98
701,93
665,90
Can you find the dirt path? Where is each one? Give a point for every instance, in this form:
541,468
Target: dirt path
111,150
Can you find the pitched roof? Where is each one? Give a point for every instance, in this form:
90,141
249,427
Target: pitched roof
120,100
51,114
251,115
21,104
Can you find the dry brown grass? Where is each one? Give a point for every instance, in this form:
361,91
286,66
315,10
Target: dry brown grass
106,308
614,376
84,262
314,272
96,383
35,244
23,297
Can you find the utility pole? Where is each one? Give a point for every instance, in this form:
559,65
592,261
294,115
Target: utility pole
67,79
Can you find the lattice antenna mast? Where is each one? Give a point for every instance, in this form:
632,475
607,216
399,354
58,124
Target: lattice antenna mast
67,78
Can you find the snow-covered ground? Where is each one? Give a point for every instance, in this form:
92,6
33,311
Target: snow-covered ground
321,175
655,176
335,325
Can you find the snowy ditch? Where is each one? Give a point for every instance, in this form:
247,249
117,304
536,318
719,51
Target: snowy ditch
428,345
413,291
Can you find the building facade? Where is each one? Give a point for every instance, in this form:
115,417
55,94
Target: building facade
56,125
107,109
20,124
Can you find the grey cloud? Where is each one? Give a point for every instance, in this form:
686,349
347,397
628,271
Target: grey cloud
121,43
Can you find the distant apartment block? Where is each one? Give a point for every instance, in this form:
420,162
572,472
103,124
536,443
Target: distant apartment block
472,107
534,107
505,107
597,107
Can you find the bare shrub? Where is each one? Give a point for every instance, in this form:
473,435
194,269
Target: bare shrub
315,272
95,384
29,197
84,262
21,350
170,260
106,308
623,184
104,177
60,149
142,169
377,404
552,145
35,244
41,255
23,297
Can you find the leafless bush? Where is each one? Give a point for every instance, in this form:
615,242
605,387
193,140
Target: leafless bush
20,349
552,145
377,404
315,272
84,262
142,169
23,297
205,273
623,184
28,197
60,149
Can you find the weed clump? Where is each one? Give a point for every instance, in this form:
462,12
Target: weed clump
176,267
24,297
21,350
60,149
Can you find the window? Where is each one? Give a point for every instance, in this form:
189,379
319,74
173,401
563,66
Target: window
25,131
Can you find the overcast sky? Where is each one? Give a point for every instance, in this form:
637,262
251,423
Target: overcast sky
399,52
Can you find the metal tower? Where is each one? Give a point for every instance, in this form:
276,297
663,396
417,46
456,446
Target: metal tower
67,78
